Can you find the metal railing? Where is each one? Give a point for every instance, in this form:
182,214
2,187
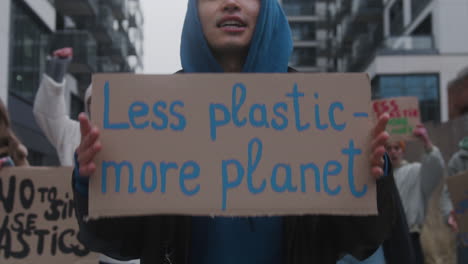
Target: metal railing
342,8
105,64
131,49
101,25
367,10
117,50
417,6
305,8
364,48
118,7
360,5
77,7
409,43
361,49
304,57
396,24
303,31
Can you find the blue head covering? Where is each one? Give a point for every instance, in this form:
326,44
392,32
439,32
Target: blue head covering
270,48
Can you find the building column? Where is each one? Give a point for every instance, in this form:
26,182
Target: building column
443,90
407,13
5,10
386,22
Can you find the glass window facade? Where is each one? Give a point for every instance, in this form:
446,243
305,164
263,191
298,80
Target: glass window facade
417,6
28,51
424,86
396,18
303,57
303,31
299,7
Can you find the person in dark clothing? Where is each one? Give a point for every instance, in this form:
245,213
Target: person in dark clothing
398,249
235,36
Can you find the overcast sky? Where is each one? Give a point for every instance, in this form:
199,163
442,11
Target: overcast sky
162,30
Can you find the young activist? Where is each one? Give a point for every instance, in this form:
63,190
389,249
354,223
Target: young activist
416,182
249,36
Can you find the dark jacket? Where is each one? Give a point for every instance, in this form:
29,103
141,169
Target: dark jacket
398,249
307,239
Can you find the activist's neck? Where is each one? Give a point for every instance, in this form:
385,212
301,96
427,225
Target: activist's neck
231,61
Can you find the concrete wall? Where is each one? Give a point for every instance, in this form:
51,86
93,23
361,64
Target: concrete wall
450,20
44,10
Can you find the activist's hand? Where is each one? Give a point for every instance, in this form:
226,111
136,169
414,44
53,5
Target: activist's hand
421,133
63,53
452,222
379,140
89,146
6,162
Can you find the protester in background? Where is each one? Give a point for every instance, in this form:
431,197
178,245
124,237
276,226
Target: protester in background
12,152
52,116
416,182
50,110
457,164
459,161
234,36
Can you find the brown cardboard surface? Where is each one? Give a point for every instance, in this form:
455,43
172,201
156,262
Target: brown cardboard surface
37,220
271,184
404,115
458,189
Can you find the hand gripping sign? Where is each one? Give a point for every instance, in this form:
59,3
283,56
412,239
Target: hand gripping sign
404,115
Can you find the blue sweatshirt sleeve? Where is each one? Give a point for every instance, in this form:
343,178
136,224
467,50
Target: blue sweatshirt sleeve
80,183
386,166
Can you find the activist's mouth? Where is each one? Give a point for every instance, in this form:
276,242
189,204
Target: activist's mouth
232,24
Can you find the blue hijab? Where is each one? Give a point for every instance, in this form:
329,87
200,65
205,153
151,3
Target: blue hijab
269,51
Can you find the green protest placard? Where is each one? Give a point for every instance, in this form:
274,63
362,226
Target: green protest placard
37,218
404,115
232,144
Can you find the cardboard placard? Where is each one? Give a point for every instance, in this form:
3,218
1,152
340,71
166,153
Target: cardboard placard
458,189
404,115
232,144
37,220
